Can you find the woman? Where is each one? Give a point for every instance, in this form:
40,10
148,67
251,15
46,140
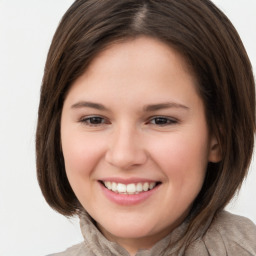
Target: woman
146,128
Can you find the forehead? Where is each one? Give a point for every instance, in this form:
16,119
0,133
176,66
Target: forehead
143,68
137,50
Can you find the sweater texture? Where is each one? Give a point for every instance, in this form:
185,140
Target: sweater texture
228,235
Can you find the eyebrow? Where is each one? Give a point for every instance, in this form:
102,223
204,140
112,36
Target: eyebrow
88,104
160,106
147,108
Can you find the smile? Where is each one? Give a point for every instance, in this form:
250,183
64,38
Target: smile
130,189
129,192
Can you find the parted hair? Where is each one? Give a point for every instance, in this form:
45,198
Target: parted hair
213,50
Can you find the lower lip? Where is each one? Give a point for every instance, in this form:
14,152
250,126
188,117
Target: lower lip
126,199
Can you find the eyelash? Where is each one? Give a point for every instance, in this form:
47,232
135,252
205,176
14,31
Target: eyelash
95,121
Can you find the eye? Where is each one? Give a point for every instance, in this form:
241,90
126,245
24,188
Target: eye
162,121
94,121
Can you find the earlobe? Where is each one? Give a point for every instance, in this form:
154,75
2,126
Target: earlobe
214,151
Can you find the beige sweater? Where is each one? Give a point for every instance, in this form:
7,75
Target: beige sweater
228,235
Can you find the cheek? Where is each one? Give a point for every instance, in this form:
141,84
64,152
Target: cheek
81,154
183,163
183,159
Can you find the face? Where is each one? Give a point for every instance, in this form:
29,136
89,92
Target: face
135,140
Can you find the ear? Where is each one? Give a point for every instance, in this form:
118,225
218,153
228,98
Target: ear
214,151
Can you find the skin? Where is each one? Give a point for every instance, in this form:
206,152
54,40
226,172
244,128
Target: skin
128,140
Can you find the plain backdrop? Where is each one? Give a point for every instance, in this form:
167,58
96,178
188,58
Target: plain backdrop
28,227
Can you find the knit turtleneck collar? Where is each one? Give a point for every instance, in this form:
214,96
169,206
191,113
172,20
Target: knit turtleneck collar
99,245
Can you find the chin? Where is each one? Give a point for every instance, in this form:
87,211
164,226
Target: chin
126,229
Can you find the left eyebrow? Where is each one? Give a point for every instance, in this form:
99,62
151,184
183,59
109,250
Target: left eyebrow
160,106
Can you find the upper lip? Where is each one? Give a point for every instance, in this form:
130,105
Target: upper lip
128,181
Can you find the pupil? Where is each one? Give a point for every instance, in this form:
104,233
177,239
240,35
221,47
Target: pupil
160,120
95,120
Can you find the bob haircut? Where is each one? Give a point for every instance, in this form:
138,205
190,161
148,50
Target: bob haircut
213,50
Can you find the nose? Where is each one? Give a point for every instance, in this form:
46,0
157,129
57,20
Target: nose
125,149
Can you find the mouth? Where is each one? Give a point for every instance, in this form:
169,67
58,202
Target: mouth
131,188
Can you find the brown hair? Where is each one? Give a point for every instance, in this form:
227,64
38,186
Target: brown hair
211,46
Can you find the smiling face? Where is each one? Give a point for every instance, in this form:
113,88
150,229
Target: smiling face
135,141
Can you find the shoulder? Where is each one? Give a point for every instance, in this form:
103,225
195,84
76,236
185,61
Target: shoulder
76,250
234,225
229,234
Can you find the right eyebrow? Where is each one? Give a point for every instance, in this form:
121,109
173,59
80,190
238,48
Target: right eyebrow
88,104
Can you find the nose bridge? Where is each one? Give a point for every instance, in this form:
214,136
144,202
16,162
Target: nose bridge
125,147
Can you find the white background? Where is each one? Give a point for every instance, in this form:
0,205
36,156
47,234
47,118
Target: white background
28,227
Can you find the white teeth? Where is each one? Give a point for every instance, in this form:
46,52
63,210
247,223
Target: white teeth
152,185
108,184
129,188
139,187
145,187
121,188
113,186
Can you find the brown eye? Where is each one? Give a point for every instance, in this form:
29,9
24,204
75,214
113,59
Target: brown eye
94,121
162,121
